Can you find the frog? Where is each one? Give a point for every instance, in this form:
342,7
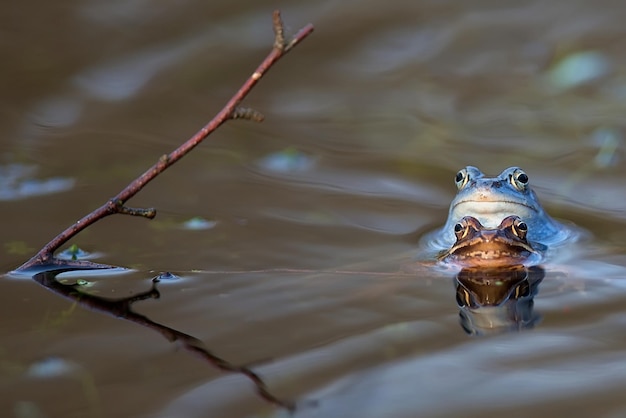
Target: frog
477,246
492,199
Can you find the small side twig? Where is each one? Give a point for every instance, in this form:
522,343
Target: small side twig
230,111
279,31
149,213
247,113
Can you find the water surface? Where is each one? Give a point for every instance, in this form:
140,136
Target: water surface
304,269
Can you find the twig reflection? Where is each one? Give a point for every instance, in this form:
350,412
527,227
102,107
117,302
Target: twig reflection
122,308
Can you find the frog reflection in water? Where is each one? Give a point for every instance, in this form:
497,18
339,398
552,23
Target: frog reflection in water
492,199
500,299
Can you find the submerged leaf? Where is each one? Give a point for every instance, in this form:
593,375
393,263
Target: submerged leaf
51,367
18,248
17,182
288,160
197,223
578,69
608,140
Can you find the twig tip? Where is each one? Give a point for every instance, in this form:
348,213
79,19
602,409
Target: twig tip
279,31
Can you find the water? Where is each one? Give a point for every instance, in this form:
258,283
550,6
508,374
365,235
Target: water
303,268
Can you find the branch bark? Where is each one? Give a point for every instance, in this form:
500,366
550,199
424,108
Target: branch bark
231,110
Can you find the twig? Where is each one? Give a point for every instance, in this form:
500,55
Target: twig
230,111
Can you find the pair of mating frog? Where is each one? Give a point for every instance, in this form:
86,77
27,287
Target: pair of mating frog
496,222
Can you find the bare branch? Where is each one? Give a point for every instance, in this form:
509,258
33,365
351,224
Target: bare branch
230,111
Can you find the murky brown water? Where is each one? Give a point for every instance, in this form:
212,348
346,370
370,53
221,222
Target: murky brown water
366,123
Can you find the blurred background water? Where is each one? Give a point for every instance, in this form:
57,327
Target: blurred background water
366,124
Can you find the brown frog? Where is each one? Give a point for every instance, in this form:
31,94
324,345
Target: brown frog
478,246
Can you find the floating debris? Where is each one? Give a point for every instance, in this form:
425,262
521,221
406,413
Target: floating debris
197,223
166,276
27,409
51,367
18,248
608,140
288,160
578,69
17,182
84,283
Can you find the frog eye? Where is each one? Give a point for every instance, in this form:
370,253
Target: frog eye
463,297
522,290
461,178
461,230
520,229
519,180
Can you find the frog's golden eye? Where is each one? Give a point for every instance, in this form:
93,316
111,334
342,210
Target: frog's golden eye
519,228
519,180
461,178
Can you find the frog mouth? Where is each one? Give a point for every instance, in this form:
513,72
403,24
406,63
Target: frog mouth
494,206
490,251
493,255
